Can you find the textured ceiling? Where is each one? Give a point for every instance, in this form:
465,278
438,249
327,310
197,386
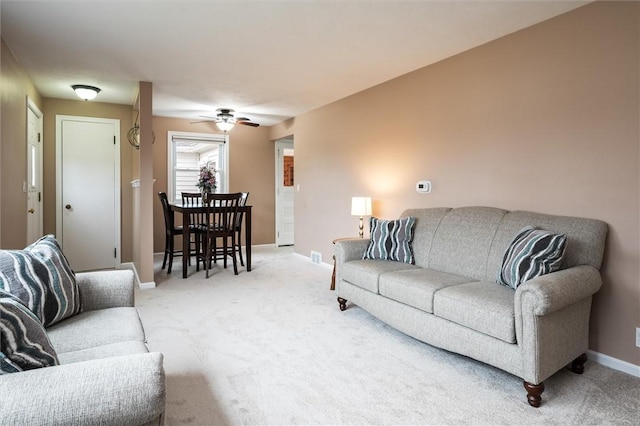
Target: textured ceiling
269,60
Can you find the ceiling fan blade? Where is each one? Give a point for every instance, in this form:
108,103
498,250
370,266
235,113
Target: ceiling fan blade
247,123
203,121
208,116
242,119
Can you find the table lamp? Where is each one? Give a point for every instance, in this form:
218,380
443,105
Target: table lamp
361,206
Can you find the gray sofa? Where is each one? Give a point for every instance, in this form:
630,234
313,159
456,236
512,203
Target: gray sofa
450,299
106,374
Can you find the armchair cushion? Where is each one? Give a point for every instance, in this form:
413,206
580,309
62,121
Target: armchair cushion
97,328
24,343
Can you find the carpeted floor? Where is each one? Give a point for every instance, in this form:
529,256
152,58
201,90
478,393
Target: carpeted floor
271,347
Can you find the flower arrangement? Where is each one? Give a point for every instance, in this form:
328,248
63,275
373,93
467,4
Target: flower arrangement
207,179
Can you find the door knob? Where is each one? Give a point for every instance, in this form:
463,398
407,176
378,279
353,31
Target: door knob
31,211
68,207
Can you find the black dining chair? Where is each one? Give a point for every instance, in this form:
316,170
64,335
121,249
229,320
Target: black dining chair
238,227
171,231
196,220
220,221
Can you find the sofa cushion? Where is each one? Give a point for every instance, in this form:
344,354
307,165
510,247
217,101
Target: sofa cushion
97,328
482,306
416,287
42,279
104,351
391,239
463,240
24,344
427,222
532,253
585,238
365,273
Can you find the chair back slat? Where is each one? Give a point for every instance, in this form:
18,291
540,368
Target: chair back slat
192,199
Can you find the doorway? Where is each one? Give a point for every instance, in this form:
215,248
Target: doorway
88,191
33,181
285,189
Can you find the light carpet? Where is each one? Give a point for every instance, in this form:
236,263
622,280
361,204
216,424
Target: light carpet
271,347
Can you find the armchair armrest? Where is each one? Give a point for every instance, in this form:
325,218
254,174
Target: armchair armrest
106,289
552,292
120,390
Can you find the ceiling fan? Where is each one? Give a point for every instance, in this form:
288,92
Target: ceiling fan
225,120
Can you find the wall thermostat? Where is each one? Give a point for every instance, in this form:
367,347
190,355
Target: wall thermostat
424,186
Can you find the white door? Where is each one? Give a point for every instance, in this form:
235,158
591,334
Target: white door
285,184
33,182
88,182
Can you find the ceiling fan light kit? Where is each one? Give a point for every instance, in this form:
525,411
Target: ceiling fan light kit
225,126
85,92
225,120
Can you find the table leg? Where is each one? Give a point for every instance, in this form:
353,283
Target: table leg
186,237
247,237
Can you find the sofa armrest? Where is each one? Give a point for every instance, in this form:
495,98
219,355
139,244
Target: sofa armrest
106,289
120,390
347,249
552,319
552,292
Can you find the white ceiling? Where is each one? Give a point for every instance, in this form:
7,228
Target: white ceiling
269,60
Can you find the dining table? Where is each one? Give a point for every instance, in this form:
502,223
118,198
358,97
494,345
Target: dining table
187,210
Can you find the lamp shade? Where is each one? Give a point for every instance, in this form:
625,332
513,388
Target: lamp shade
361,206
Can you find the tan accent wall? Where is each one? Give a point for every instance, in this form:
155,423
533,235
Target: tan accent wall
545,119
15,87
251,168
54,107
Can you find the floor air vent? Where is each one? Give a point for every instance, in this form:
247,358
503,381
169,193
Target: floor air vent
316,257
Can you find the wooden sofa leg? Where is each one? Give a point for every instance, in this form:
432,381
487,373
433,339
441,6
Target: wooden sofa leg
343,303
533,393
577,365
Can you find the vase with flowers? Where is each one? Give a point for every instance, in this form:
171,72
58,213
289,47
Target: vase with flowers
207,179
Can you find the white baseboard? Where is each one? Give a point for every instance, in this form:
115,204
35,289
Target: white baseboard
308,259
141,286
616,364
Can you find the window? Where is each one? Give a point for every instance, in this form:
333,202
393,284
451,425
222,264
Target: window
187,153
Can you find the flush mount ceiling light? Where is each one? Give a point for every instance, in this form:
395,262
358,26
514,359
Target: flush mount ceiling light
85,92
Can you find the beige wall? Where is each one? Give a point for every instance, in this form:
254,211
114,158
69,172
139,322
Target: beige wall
251,168
54,107
144,199
15,87
545,119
